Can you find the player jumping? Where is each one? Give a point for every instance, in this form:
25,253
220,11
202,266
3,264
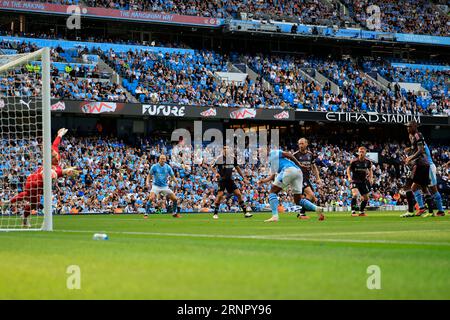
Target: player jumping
359,172
160,172
34,184
306,159
34,189
224,174
286,172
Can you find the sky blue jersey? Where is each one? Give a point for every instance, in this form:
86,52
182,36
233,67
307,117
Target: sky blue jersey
428,153
160,174
278,163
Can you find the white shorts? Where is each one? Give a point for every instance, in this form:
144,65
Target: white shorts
433,177
164,190
292,177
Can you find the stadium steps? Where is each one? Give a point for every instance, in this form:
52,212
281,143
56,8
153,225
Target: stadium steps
377,80
309,73
254,75
320,78
115,78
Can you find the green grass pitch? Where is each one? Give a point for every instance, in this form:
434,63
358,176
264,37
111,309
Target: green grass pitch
196,257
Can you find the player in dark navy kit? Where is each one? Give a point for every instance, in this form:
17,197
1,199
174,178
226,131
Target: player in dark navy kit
420,166
224,173
359,172
307,159
408,190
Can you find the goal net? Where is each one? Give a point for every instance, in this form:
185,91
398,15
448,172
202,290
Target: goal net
25,142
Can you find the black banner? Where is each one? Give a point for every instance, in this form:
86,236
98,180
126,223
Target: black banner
215,112
370,118
171,110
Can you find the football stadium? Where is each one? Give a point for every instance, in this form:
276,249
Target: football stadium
225,150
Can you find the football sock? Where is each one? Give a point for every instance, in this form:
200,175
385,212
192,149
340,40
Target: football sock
216,208
273,200
411,201
419,198
302,211
175,206
353,204
308,205
243,206
363,205
438,200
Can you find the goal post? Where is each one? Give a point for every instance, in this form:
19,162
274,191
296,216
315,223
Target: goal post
25,142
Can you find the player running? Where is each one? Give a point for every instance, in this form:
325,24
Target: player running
359,172
157,179
306,159
224,173
420,166
285,172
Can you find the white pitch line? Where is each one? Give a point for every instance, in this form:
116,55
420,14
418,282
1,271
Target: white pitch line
363,233
261,237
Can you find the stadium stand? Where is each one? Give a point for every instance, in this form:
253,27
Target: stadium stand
404,16
433,79
75,75
305,11
190,77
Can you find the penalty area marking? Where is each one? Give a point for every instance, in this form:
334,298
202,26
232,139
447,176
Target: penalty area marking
262,237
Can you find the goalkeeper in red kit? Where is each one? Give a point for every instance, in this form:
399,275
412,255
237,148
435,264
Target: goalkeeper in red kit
34,185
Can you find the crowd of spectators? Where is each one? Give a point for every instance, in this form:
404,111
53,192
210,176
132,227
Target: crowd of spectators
403,16
288,81
436,82
187,78
89,37
302,11
77,81
113,176
191,78
357,92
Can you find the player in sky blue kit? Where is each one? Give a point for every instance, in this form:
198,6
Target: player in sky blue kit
285,172
158,179
433,187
